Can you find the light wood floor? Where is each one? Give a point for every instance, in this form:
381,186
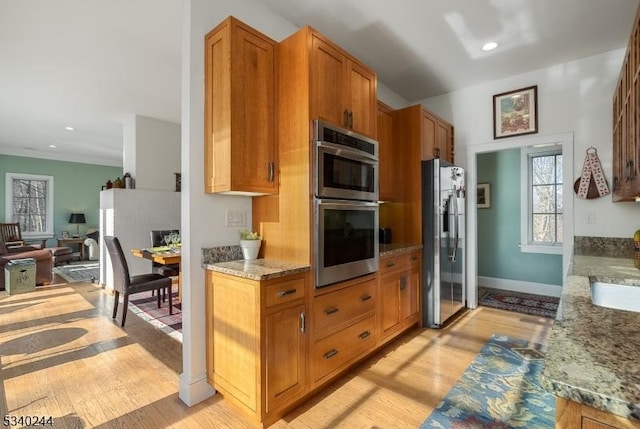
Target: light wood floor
61,355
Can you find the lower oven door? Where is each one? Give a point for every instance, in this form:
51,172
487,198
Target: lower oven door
346,240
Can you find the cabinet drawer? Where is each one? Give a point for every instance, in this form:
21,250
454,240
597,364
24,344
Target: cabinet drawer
336,309
281,292
338,349
399,262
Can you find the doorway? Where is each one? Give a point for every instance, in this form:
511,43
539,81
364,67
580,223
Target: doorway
565,140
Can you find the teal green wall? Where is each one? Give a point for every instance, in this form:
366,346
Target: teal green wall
499,254
76,188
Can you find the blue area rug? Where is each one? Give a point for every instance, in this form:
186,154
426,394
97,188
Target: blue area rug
499,389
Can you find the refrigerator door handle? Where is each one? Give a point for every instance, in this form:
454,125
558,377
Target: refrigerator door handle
455,226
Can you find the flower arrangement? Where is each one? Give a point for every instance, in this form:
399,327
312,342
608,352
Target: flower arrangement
249,235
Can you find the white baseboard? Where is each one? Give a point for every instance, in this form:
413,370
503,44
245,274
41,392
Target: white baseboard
192,392
520,286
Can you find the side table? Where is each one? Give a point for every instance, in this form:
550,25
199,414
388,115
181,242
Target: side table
64,242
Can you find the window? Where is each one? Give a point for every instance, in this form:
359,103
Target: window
542,200
29,201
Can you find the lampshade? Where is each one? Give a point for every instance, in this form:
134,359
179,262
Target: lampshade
77,218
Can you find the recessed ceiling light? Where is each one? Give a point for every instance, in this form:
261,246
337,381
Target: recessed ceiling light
52,146
69,128
490,46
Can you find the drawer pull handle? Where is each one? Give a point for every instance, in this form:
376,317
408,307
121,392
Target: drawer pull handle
364,335
390,264
303,322
414,258
282,293
331,353
364,298
331,310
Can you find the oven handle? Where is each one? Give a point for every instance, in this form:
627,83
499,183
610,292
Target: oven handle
349,153
347,203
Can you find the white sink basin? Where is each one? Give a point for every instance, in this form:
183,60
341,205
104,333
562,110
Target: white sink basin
621,297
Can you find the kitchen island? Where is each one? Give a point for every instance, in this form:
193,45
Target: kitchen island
592,363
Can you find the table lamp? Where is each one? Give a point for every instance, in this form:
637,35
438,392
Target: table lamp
77,218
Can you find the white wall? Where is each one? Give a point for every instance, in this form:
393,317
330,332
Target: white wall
572,97
151,152
203,215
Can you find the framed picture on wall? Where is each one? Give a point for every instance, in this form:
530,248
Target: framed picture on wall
484,195
515,113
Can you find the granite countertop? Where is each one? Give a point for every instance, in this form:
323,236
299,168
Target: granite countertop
257,269
397,248
593,353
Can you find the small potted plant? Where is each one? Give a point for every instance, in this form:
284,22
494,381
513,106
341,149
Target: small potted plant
250,244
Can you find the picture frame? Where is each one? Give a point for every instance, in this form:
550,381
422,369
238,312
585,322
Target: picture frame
483,200
65,234
515,113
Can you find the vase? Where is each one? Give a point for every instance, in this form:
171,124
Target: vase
250,248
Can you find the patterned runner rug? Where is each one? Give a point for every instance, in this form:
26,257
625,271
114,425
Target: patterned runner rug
146,307
499,389
82,272
538,305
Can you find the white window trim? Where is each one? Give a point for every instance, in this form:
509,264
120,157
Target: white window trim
527,245
9,178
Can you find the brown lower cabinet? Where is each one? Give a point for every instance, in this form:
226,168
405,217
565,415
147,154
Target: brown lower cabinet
572,415
256,342
399,283
271,344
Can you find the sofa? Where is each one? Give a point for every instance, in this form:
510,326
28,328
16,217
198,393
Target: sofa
43,258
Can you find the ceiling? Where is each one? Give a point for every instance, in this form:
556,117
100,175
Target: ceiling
89,64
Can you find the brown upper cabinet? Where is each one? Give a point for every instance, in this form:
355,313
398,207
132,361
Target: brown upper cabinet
626,123
240,138
343,90
386,153
419,126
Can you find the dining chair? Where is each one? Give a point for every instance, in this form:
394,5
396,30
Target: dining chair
157,240
128,285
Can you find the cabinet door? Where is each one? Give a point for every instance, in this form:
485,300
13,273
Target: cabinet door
253,104
409,292
428,143
240,140
285,359
444,141
327,83
360,99
390,301
385,154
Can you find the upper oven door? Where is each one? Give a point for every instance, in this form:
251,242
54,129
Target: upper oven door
345,173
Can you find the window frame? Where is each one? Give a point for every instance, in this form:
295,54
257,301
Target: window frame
9,178
526,203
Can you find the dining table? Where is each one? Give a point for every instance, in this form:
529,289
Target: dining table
165,256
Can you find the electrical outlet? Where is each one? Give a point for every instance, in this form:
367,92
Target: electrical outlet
591,218
236,218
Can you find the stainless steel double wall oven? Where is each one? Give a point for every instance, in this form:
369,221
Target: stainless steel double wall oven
345,204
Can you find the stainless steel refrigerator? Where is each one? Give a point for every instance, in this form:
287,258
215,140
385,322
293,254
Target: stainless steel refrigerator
443,239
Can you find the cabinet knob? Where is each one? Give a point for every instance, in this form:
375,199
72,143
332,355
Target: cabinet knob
389,264
351,119
345,118
403,282
436,152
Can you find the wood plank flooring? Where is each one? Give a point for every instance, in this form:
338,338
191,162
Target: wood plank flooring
61,355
